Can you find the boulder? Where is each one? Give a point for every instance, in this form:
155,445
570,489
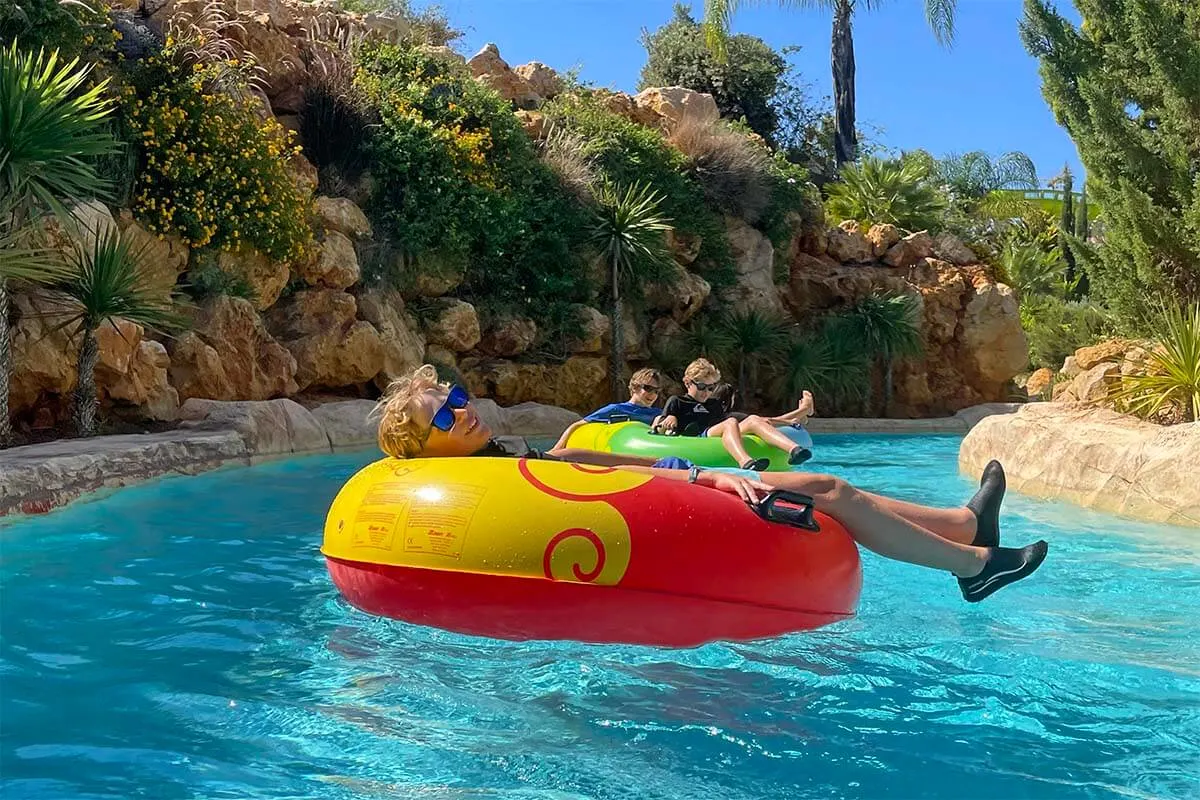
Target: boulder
684,247
949,247
682,294
813,241
580,383
1137,361
882,236
269,427
910,250
754,263
487,61
541,79
673,104
331,347
87,221
229,355
303,173
533,122
455,326
130,371
592,331
1112,350
163,258
993,337
509,336
944,302
492,415
491,70
1093,385
1093,457
342,215
1039,382
436,274
1070,368
634,330
332,264
348,423
849,247
403,344
265,276
441,356
539,419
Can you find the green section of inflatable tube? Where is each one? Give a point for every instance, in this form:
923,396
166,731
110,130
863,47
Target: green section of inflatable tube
635,438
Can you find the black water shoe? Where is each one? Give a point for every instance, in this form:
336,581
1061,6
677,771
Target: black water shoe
799,455
985,505
1005,565
757,464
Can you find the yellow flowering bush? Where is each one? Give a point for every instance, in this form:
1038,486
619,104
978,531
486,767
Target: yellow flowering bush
212,169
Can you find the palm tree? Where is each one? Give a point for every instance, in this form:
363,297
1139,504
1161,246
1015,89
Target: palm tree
49,126
977,181
825,363
631,234
108,282
888,326
753,337
939,13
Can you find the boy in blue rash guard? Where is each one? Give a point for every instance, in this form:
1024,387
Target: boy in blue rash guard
644,389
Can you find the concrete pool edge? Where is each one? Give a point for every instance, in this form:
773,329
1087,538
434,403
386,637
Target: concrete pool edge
35,479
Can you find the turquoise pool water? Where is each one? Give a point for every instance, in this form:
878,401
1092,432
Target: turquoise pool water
182,640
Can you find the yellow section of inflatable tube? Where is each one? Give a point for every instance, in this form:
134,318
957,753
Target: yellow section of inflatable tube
483,515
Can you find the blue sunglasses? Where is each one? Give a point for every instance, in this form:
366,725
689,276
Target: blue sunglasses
443,420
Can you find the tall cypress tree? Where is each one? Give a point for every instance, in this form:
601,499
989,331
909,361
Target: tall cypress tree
1125,86
1066,223
1082,232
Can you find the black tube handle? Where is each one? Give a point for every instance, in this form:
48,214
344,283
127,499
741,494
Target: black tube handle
801,517
615,418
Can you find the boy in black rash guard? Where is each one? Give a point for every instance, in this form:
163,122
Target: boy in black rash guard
699,414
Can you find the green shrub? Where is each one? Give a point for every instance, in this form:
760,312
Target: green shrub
1056,328
208,280
456,176
626,153
211,169
745,85
72,28
877,190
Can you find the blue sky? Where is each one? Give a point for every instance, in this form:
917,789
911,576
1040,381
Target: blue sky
984,94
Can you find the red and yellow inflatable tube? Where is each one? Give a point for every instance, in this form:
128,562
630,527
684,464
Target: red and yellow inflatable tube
529,549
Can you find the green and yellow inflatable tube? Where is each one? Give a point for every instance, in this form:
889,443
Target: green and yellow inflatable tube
635,439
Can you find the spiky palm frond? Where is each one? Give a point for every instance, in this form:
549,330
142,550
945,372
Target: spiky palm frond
1031,268
826,363
751,332
1173,374
705,338
1001,205
109,281
630,231
50,125
886,325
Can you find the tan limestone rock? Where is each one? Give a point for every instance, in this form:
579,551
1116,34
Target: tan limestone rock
1093,457
342,215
